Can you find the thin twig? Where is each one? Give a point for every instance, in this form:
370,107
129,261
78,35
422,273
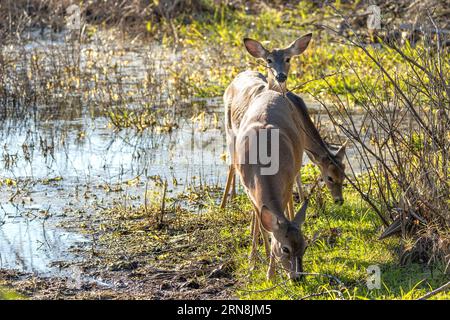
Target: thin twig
322,293
436,291
265,290
317,79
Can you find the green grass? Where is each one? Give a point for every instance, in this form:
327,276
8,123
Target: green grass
219,39
355,247
8,294
345,247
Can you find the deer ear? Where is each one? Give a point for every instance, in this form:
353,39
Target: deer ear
341,152
301,214
255,48
300,45
268,220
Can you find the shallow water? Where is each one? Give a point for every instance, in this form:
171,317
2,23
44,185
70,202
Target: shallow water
73,174
32,245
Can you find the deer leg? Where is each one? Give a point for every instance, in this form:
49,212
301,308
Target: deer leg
252,231
256,229
266,243
255,235
230,178
271,270
233,186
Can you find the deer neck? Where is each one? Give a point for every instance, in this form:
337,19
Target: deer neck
270,190
312,139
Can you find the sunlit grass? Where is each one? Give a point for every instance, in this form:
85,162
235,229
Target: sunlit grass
346,245
223,54
9,294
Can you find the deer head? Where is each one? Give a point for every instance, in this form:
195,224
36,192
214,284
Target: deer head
277,60
288,243
333,170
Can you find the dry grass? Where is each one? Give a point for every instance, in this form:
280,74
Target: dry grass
404,143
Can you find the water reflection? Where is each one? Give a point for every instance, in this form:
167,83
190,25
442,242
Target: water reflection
30,245
56,163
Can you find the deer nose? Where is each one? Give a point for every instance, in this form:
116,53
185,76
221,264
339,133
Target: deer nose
339,201
281,77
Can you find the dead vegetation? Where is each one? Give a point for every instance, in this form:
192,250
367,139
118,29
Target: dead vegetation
404,143
134,17
155,18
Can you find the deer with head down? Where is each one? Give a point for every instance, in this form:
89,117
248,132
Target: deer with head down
272,123
249,93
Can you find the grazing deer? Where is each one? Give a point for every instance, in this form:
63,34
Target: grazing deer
273,123
330,162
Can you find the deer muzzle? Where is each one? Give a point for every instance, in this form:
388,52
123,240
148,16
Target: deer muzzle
281,77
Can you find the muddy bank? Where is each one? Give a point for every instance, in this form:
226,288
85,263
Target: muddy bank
144,283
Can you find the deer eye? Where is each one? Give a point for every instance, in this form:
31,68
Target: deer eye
269,60
288,60
285,250
330,179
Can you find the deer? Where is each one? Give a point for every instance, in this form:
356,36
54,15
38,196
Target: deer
272,122
238,97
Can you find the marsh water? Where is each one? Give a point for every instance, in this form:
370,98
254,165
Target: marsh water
59,160
79,174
